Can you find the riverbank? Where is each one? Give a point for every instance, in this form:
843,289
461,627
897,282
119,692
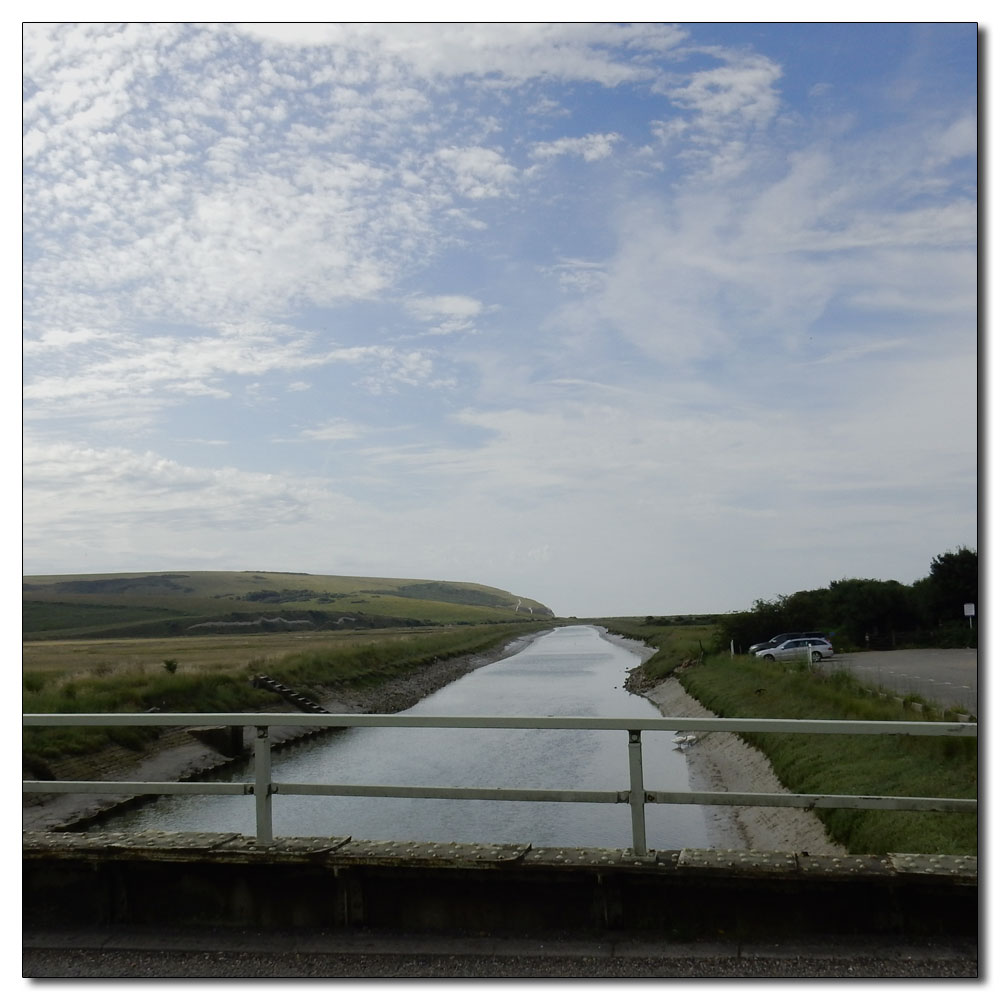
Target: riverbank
722,762
180,755
718,761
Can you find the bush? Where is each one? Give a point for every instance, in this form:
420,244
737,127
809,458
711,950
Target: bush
955,636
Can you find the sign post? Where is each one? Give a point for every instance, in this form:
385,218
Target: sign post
970,613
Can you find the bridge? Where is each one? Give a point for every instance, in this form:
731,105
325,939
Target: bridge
227,879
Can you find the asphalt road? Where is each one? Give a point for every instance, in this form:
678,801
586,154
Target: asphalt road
948,677
219,954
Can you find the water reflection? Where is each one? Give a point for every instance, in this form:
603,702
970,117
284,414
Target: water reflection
571,671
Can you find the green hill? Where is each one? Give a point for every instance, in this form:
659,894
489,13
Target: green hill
126,605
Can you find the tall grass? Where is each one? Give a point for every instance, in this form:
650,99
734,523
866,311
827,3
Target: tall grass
674,644
226,688
933,766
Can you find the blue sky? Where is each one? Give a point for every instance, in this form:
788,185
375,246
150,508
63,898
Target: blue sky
627,318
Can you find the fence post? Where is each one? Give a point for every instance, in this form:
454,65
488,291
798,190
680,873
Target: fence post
637,794
262,785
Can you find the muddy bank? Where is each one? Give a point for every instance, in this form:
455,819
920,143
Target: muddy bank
180,755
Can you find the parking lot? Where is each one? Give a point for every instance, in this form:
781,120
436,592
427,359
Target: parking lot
948,677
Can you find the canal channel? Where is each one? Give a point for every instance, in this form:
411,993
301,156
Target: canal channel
570,671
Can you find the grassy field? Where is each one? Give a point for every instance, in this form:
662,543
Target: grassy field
939,766
196,652
213,674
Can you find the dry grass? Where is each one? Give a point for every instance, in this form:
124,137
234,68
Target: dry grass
64,657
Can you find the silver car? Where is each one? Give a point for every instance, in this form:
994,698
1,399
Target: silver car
798,649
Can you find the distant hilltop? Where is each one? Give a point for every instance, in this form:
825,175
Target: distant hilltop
122,605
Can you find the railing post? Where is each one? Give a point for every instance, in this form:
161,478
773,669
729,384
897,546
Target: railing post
262,785
637,793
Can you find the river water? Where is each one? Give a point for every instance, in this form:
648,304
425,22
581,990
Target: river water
570,671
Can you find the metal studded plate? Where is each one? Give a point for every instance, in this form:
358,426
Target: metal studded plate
156,840
935,864
581,856
435,853
744,862
847,866
36,839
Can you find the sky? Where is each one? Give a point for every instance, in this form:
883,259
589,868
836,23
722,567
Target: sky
626,318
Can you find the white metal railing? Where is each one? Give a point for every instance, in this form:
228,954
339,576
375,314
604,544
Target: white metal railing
637,796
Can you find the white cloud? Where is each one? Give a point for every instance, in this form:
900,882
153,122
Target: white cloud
448,314
335,430
60,340
428,307
600,52
160,372
478,172
743,91
596,146
715,344
959,139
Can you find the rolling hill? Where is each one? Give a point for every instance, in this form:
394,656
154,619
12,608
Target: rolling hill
127,605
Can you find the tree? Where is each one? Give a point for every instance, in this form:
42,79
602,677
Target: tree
953,583
806,610
864,608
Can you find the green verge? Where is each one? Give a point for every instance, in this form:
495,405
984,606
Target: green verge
674,644
935,766
377,660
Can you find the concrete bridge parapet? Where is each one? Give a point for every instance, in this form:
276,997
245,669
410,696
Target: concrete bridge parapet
228,880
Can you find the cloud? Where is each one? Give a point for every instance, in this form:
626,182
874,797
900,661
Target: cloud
141,485
59,340
478,172
590,147
506,52
741,92
579,275
334,430
448,313
160,372
576,300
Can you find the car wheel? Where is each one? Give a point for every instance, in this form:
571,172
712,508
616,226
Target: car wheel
816,657
769,657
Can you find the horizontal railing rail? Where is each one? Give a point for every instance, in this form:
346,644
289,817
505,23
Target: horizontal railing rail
263,789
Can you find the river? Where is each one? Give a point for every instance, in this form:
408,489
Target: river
570,671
